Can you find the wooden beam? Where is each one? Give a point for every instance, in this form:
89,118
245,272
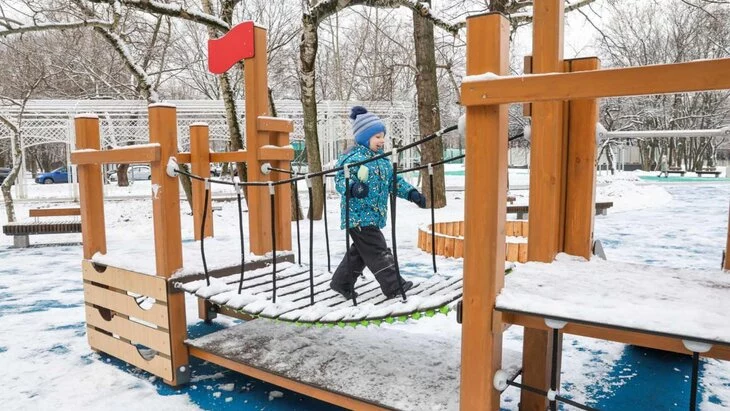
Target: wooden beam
610,334
284,154
484,248
54,212
217,157
183,158
698,75
276,153
274,124
581,170
527,107
257,101
146,153
91,194
166,220
547,187
276,379
229,157
200,166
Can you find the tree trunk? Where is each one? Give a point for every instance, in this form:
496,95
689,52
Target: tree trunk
5,187
122,180
307,56
429,117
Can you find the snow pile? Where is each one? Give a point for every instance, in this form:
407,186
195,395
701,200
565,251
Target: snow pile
629,196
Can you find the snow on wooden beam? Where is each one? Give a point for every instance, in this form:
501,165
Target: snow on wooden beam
698,75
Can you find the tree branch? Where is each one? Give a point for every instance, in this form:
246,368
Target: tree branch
11,30
174,10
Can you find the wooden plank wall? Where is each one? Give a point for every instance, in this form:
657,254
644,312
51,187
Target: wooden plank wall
117,324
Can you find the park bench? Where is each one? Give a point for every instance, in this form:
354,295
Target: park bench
20,230
676,170
708,171
521,210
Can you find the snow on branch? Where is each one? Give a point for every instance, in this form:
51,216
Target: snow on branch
173,10
327,8
13,29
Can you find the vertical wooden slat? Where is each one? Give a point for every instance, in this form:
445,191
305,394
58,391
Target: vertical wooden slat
522,253
484,248
546,186
512,249
200,163
459,248
509,228
525,228
166,220
91,196
257,104
283,196
527,107
581,170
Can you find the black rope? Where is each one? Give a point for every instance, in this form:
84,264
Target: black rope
296,204
393,198
273,241
311,245
240,232
438,163
326,231
695,381
347,232
433,222
324,172
202,233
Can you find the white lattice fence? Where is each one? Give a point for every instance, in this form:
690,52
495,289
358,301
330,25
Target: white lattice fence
125,123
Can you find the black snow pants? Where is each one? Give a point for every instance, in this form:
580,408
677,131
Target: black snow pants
369,250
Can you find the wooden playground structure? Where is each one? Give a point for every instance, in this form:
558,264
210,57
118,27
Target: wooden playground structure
564,97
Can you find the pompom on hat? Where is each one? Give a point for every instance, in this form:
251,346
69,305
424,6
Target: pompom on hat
365,125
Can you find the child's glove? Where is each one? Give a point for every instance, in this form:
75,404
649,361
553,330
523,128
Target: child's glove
415,197
362,173
359,190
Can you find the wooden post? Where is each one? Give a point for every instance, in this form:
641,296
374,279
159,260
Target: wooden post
484,249
257,104
200,163
547,191
168,239
283,196
581,170
91,194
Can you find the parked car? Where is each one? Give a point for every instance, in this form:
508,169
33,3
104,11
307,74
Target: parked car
4,174
59,175
136,172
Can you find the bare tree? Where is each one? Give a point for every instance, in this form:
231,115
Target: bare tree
26,76
670,31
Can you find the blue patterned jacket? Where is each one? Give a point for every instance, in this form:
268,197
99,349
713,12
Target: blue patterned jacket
373,209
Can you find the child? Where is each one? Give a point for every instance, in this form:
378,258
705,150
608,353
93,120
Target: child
369,189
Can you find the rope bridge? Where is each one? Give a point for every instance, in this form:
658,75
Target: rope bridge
299,294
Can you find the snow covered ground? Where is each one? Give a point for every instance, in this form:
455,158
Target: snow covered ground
47,362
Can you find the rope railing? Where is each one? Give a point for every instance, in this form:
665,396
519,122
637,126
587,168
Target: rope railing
308,178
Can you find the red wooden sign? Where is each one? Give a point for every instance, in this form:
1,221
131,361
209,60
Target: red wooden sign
231,48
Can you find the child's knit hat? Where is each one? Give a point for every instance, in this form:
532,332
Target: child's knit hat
365,125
